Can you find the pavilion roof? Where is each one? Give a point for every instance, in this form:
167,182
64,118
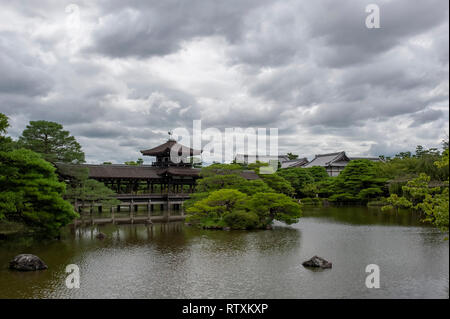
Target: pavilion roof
168,146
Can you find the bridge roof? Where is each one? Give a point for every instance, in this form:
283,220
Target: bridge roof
114,171
132,172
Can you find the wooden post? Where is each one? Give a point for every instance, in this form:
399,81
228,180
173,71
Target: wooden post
112,214
169,207
149,209
131,211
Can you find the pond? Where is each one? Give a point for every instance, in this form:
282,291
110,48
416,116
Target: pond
176,261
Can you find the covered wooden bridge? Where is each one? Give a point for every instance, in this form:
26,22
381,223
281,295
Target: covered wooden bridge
165,184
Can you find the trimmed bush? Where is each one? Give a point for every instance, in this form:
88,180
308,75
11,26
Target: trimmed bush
241,220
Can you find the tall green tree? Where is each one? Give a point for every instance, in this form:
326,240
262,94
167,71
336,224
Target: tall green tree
433,201
278,184
298,177
232,181
30,193
4,124
211,210
273,206
6,143
406,166
224,198
358,182
318,173
51,141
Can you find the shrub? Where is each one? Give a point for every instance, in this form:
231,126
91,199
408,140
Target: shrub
241,220
308,201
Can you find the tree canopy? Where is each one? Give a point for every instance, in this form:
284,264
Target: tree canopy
419,195
298,177
4,124
358,182
51,141
225,199
30,192
274,206
6,143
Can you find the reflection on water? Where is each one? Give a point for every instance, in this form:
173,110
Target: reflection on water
366,216
174,261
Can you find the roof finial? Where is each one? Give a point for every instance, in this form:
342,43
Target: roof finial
170,135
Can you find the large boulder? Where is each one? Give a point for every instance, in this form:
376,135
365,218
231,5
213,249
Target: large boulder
317,262
27,262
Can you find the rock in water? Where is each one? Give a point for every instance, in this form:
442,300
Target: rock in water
100,236
27,262
318,263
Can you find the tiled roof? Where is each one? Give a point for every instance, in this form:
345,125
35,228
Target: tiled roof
135,172
294,163
328,160
145,171
122,171
167,146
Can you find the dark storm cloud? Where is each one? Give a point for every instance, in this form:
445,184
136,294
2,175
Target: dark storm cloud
153,28
340,27
426,116
21,72
100,130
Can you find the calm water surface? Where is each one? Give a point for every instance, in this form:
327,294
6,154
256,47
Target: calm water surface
182,262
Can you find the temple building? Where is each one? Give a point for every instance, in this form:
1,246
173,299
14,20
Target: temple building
334,163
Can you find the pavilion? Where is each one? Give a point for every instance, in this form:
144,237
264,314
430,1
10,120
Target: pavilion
172,173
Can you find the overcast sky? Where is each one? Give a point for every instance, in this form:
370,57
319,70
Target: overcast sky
119,74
